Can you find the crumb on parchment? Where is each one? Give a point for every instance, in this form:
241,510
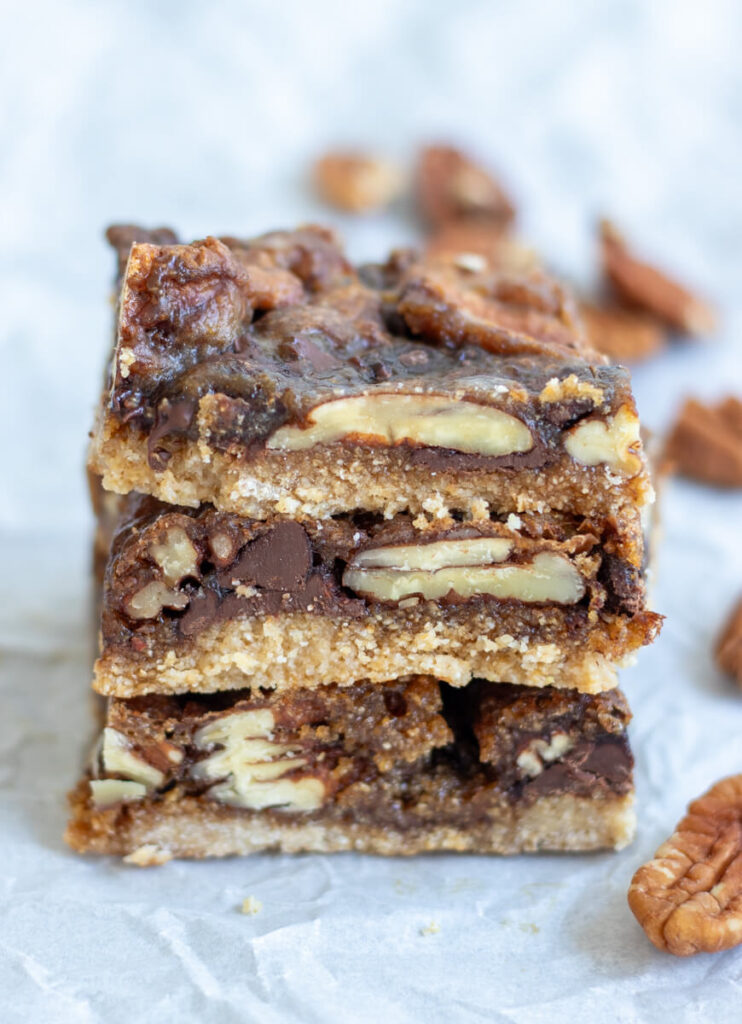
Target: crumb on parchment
148,856
251,906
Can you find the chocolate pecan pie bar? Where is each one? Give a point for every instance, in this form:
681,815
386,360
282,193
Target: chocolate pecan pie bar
271,377
411,766
370,549
199,600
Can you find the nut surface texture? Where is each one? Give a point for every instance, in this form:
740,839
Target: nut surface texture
688,899
540,752
152,598
440,554
623,335
451,186
464,568
106,792
421,419
118,758
176,556
249,768
643,286
614,443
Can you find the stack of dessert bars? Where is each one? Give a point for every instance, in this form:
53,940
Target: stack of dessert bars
371,550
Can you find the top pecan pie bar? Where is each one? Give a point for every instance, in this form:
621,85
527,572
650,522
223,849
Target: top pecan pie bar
272,377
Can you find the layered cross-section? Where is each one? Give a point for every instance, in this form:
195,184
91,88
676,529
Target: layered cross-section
408,766
370,550
201,600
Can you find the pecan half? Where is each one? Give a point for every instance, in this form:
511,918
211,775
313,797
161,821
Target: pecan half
706,442
451,186
397,418
643,286
459,240
463,567
250,769
688,899
503,312
728,651
356,182
622,335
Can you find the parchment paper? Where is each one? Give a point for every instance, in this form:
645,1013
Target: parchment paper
203,116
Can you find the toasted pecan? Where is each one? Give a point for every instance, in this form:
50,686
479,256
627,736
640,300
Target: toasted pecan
706,442
688,899
503,312
623,335
450,186
728,650
644,287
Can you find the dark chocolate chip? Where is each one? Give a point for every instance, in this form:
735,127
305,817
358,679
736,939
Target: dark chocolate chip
609,758
604,763
557,778
279,560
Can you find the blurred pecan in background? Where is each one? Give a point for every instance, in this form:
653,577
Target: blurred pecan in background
644,287
705,442
688,899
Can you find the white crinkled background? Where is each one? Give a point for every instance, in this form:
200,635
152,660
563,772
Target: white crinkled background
203,116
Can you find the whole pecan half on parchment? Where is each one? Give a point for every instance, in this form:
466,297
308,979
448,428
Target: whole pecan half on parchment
688,899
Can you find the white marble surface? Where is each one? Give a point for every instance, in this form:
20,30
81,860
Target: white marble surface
203,116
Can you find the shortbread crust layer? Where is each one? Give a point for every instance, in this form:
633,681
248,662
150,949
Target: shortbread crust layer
150,834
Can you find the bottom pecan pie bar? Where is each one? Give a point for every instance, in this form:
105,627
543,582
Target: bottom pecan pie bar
410,766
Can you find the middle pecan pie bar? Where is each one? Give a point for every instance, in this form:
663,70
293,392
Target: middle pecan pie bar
202,600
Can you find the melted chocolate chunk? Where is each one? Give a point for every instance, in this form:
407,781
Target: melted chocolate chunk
440,460
279,560
202,611
605,764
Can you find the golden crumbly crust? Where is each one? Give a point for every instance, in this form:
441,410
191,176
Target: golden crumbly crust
194,828
327,481
303,650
